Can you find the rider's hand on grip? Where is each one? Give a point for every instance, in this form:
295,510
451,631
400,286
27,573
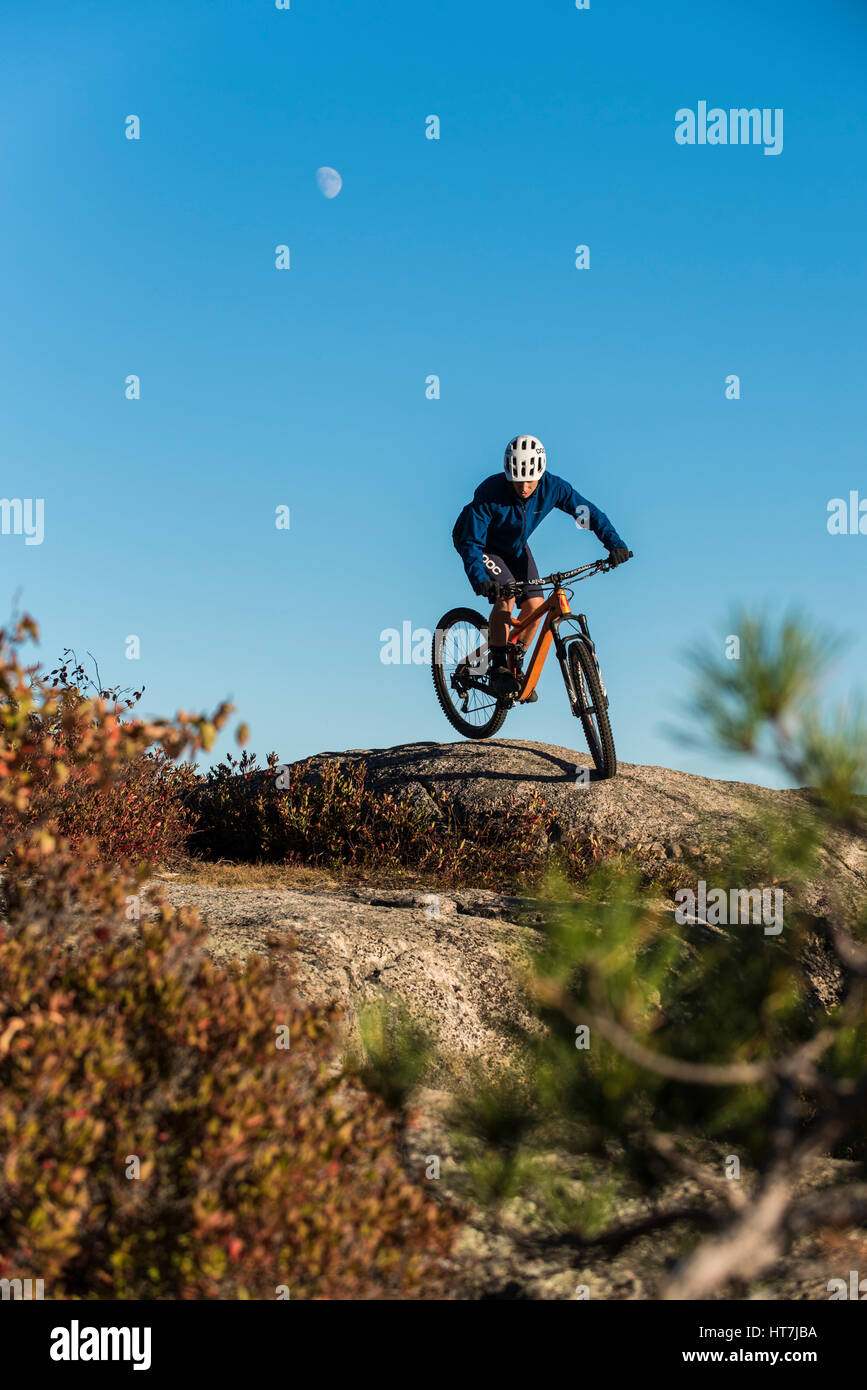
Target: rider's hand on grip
619,556
488,589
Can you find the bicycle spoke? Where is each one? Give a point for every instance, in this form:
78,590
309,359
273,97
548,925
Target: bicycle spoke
464,651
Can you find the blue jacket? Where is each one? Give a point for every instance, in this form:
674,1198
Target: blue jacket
499,520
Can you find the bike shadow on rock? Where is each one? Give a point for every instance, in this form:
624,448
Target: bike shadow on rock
431,763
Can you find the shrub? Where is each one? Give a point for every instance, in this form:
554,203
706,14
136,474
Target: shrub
326,814
121,1042
140,815
259,1167
102,788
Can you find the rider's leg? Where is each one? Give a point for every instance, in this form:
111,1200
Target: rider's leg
498,627
524,567
501,678
530,605
501,613
528,634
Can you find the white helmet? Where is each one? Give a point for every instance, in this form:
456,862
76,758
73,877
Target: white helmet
525,459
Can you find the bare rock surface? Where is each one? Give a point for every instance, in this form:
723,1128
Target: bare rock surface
678,813
448,957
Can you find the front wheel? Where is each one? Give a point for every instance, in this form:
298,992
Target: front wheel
593,711
460,655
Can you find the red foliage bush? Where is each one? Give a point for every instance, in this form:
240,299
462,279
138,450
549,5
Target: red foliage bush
155,1140
259,1167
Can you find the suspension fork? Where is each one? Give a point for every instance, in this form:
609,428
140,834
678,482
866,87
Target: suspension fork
561,647
562,650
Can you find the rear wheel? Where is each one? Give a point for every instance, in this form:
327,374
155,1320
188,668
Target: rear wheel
456,657
594,709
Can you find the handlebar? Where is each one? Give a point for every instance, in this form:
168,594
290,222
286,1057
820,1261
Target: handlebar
516,588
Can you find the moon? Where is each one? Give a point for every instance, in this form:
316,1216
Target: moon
329,181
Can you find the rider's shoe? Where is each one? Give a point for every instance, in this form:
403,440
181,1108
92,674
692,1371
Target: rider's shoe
500,677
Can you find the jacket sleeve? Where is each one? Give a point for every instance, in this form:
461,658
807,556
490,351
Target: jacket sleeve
587,515
470,537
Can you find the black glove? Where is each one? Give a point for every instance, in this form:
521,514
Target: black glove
488,589
618,556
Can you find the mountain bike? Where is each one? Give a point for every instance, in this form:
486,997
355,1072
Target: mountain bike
460,665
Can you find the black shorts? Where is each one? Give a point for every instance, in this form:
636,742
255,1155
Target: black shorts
506,569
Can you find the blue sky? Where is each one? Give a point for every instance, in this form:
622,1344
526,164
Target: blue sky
306,387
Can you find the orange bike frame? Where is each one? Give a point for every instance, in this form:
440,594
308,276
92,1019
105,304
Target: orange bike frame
554,608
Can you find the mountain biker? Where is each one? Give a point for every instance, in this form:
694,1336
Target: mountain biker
490,535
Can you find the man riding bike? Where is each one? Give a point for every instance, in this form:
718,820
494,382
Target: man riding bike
490,535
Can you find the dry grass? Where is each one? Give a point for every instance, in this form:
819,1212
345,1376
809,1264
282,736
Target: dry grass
302,876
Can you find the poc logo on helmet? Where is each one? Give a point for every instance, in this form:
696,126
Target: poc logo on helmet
524,460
